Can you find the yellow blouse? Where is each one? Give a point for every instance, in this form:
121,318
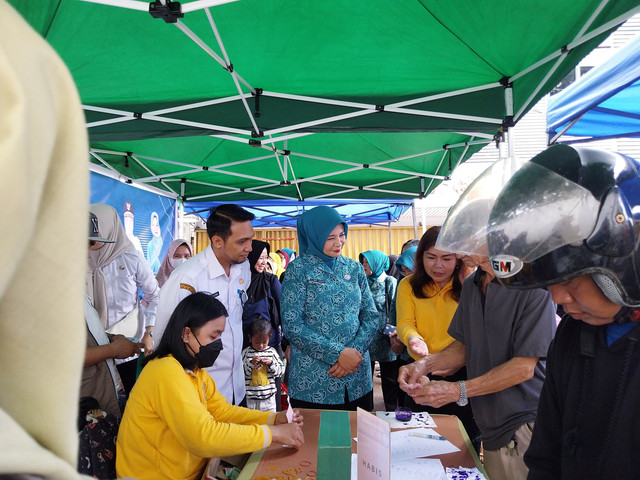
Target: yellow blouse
427,318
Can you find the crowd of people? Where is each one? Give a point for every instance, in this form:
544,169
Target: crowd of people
188,361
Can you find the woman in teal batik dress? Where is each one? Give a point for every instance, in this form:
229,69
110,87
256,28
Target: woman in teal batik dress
329,317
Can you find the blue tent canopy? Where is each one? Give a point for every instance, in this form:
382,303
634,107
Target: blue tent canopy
605,103
283,213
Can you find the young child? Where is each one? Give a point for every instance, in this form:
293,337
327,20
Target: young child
262,365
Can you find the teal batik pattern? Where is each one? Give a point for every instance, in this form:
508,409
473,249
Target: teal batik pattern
325,310
380,349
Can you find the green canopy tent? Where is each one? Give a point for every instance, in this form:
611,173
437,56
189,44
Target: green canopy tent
217,100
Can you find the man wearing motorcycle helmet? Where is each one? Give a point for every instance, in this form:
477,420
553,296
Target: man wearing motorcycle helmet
569,220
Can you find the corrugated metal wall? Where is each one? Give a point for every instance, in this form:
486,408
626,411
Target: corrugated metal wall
360,239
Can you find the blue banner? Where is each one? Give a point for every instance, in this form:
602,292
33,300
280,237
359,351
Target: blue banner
148,218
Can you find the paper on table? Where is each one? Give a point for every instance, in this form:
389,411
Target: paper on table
404,444
289,414
418,419
409,469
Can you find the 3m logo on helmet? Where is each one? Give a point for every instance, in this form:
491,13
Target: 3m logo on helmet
505,266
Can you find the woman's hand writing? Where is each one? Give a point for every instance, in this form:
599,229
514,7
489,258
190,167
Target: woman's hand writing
289,434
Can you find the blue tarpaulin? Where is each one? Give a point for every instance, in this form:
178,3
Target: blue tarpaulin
283,213
605,103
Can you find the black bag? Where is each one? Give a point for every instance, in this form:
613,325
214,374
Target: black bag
97,453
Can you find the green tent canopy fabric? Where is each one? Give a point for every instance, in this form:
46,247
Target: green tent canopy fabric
225,100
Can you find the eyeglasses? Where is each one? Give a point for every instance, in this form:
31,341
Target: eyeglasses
243,296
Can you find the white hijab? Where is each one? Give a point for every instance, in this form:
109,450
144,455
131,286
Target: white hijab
112,229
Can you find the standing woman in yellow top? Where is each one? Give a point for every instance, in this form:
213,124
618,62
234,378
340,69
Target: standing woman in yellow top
425,304
176,418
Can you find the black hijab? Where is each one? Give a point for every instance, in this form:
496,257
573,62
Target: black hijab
259,287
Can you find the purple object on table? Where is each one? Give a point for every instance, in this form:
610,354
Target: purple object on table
403,414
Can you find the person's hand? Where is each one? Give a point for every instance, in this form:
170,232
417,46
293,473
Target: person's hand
397,346
417,346
255,361
289,434
281,417
336,371
147,341
121,347
409,375
435,393
350,359
266,361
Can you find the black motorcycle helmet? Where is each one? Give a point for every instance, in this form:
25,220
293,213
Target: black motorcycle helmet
566,213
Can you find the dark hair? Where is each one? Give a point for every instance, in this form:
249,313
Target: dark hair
221,217
259,326
421,278
193,311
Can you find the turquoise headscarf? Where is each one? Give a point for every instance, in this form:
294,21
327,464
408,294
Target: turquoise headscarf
378,262
314,227
407,258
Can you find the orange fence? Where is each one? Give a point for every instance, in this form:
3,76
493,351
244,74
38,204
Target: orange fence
359,239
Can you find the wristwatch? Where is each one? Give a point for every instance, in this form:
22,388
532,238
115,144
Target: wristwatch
463,400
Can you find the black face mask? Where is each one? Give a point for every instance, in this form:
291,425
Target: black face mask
208,353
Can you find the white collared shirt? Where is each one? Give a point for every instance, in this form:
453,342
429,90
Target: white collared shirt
123,276
204,273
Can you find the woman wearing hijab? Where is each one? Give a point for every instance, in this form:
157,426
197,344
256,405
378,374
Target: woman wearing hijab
385,346
116,271
179,251
263,296
290,253
406,261
329,318
276,262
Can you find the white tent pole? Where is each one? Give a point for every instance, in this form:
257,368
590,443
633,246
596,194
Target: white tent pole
325,101
208,49
389,230
565,128
358,166
149,171
440,96
206,126
453,116
444,155
511,144
561,58
205,103
413,218
321,121
234,76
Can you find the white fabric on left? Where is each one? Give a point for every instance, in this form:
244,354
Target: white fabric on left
44,191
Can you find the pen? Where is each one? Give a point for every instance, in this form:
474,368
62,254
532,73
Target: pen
426,435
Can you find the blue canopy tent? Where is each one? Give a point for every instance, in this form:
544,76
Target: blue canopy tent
283,213
605,103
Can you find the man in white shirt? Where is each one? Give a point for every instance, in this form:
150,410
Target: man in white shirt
222,270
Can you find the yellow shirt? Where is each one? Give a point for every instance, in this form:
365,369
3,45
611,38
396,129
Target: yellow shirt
427,318
176,419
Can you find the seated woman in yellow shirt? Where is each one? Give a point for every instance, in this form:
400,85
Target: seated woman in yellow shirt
175,418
